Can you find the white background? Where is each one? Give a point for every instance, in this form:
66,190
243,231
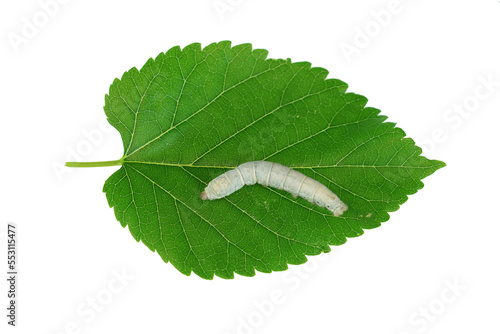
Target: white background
427,57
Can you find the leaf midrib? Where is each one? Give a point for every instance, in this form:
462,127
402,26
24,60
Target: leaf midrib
291,166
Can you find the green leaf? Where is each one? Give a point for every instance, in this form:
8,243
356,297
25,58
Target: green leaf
190,115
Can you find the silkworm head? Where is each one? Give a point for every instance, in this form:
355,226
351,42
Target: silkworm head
336,206
339,211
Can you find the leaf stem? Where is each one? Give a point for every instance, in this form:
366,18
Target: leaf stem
118,162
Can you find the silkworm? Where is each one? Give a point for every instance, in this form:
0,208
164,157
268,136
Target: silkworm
277,176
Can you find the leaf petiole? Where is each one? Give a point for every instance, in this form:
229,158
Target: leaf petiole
118,162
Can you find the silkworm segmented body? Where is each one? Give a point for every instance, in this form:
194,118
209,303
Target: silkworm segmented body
277,176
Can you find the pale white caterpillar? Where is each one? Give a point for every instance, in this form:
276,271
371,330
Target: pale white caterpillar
277,176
